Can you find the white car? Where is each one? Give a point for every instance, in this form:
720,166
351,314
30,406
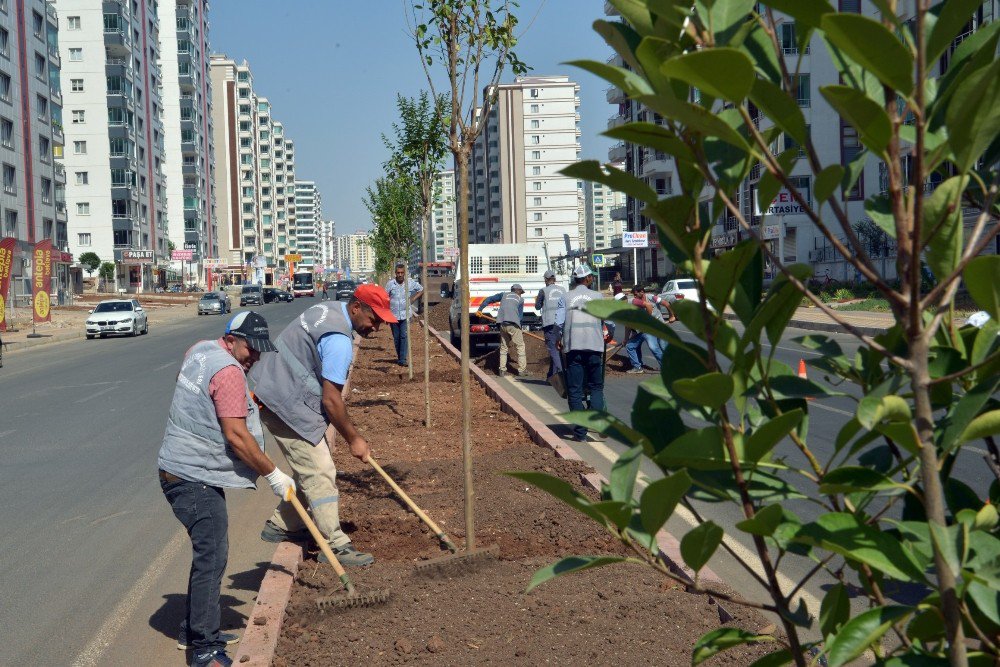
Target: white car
117,316
681,289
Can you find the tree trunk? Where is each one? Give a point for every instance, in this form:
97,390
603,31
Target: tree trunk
409,316
425,228
462,162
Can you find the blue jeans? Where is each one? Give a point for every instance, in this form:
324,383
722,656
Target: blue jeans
202,511
553,333
584,377
399,340
634,348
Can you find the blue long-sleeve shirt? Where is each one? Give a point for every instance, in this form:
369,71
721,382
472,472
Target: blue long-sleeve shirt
496,299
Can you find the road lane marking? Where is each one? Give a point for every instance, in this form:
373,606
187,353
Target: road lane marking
96,394
6,433
642,481
166,365
91,655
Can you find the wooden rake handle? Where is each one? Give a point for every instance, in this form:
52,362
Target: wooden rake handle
324,546
526,333
413,506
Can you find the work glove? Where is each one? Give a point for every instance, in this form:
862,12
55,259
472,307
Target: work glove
280,483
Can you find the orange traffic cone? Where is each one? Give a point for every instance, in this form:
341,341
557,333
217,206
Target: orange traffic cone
802,374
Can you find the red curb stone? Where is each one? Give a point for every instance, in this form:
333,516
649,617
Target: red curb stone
260,639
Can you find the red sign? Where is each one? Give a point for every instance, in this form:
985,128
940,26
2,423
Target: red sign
183,255
41,281
6,261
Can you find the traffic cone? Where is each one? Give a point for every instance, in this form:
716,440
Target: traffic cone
802,374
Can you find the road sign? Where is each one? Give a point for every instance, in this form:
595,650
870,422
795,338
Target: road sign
451,252
635,239
293,258
597,260
185,255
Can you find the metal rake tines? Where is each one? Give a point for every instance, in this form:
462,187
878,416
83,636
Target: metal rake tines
347,601
460,563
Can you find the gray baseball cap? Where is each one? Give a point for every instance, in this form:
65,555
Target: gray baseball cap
516,287
549,274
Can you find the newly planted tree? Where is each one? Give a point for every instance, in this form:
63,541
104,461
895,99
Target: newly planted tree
893,509
418,148
473,41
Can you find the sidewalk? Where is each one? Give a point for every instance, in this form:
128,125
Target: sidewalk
813,319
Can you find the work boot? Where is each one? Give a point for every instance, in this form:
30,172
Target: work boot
349,556
635,371
211,658
524,375
502,374
272,533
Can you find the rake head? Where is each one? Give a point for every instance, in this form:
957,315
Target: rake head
456,563
352,600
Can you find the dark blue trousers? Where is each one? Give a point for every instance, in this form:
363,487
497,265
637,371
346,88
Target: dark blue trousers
399,340
584,377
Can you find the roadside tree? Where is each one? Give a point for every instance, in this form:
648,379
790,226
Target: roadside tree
90,262
107,271
893,513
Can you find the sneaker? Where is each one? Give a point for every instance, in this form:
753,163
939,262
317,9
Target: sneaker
214,658
227,637
272,533
525,375
635,371
349,556
502,374
599,436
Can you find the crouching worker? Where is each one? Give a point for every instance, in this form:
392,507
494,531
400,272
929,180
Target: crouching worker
214,441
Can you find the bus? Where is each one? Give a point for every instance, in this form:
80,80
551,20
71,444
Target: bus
302,284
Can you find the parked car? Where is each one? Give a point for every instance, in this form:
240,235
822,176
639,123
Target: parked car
285,296
117,316
344,289
252,295
212,303
270,294
681,289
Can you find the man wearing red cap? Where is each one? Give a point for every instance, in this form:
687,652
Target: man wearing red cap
301,391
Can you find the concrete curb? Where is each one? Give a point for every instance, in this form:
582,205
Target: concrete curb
543,436
828,327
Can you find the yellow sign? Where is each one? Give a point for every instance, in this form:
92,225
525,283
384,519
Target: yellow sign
42,305
3,308
293,258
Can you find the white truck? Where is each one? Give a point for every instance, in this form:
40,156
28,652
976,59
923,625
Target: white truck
494,268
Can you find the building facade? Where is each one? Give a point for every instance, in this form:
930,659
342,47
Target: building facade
308,215
355,254
32,202
113,90
444,217
517,194
328,244
600,202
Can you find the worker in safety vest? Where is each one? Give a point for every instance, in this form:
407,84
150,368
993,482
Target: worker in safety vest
547,302
509,317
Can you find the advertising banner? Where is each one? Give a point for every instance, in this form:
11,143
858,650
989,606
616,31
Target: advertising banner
183,255
6,266
635,239
41,281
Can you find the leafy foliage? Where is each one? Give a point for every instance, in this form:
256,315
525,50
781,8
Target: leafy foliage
90,261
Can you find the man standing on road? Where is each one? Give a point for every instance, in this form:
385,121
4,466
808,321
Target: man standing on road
214,441
509,317
302,392
325,294
616,285
402,293
583,343
547,302
651,304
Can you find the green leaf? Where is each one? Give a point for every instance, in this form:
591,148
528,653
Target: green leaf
879,209
768,185
844,534
982,279
758,45
660,498
950,429
725,271
873,409
835,609
609,425
781,108
623,39
636,13
827,181
972,121
852,479
953,17
560,489
699,544
864,114
942,226
853,172
695,118
776,659
721,639
652,136
982,426
724,15
623,473
711,389
723,72
873,46
764,522
697,449
616,179
987,518
770,433
809,13
569,565
863,631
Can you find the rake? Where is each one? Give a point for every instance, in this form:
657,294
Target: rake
350,598
454,562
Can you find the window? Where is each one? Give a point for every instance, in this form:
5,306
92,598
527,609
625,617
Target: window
850,146
76,85
534,108
537,201
536,170
83,208
534,92
42,107
46,190
5,87
7,132
537,185
83,240
76,54
538,217
4,42
537,232
79,147
505,264
10,221
801,84
72,22
38,24
536,139
82,178
9,179
79,116
44,148
536,155
787,39
39,65
535,124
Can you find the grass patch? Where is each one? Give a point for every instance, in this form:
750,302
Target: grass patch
874,305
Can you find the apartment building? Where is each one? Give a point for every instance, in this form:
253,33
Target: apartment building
189,138
283,198
790,235
32,202
308,214
444,217
601,204
327,244
113,90
355,254
517,194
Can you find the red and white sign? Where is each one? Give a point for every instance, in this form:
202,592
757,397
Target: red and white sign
183,255
213,262
783,204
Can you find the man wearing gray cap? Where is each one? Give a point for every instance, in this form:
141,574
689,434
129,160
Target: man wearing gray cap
547,303
509,317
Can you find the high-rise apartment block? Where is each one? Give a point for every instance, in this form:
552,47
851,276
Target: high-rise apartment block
600,203
327,244
517,194
444,216
308,214
113,91
355,254
189,143
32,202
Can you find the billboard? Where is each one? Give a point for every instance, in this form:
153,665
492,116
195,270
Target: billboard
6,264
41,281
635,239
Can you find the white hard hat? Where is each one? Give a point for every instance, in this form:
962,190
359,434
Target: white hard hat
581,271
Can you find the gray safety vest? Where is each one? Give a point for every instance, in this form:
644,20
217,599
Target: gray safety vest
193,445
510,307
657,313
582,331
550,305
290,383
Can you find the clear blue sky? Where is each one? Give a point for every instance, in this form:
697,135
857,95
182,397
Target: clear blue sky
332,68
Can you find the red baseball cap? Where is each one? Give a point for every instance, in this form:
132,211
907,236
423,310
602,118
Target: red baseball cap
377,299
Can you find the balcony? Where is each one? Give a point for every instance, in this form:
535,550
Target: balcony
54,55
615,61
60,172
616,121
119,67
116,40
55,95
61,211
57,133
121,100
50,14
655,164
619,212
618,152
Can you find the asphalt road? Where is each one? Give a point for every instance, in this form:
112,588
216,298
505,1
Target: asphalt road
93,565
